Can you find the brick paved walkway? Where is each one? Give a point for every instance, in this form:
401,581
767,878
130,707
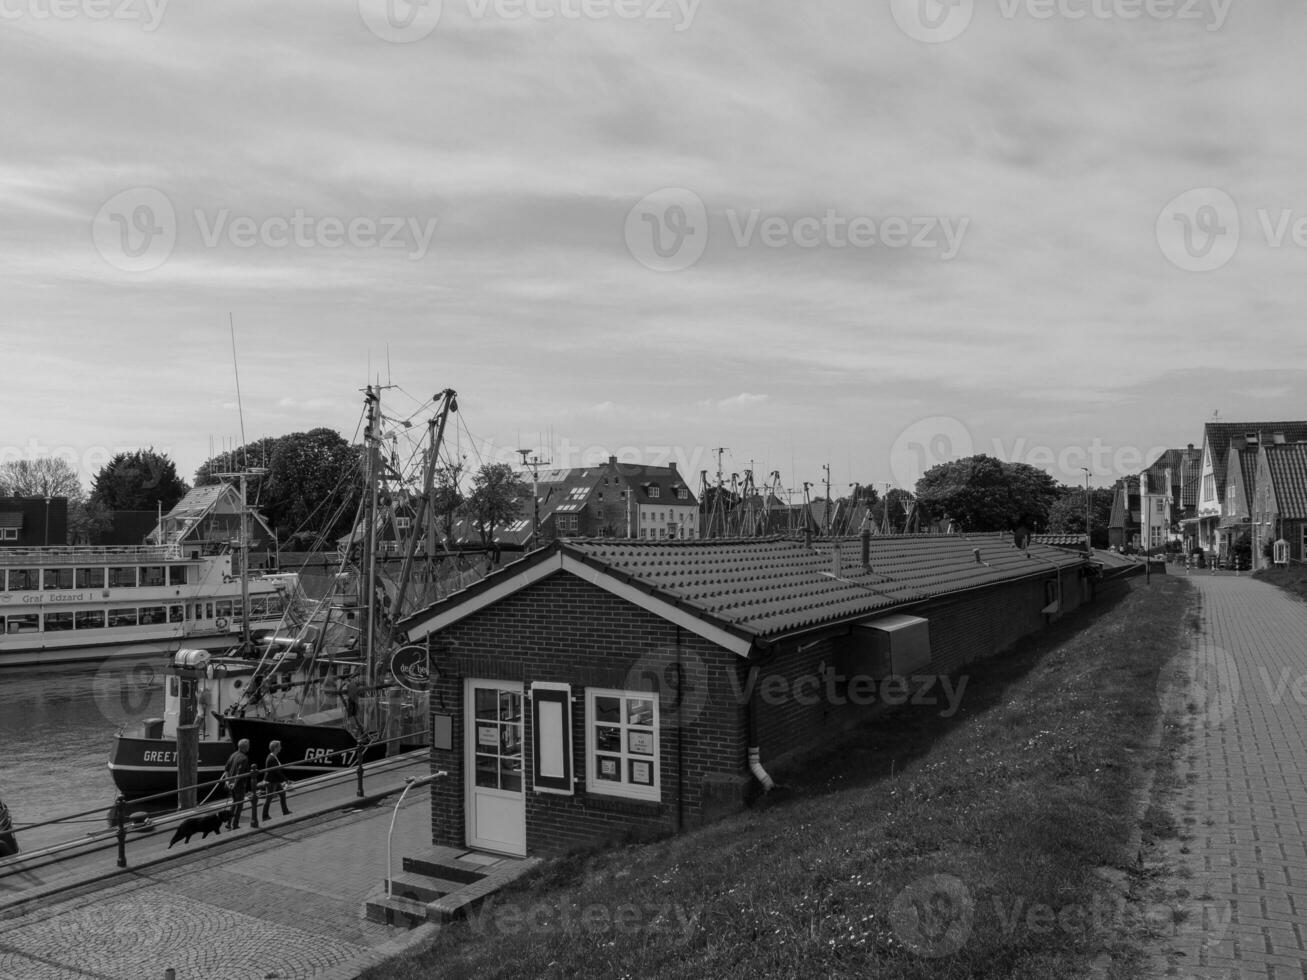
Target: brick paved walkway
285,904
1238,881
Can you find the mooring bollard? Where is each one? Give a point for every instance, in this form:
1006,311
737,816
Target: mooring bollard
170,974
120,817
359,768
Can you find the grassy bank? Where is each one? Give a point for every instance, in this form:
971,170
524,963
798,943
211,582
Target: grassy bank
1292,579
923,846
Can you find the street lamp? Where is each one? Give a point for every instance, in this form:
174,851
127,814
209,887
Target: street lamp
409,783
47,522
1088,540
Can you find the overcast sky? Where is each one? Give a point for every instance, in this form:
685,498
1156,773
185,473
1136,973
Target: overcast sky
871,234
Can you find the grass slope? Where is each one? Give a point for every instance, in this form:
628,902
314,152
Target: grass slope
921,846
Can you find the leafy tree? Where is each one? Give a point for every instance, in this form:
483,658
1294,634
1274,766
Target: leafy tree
1067,513
898,502
313,486
87,520
257,453
496,498
46,476
983,493
140,480
446,500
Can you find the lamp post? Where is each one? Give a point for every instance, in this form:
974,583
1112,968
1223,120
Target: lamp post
47,521
1088,540
409,783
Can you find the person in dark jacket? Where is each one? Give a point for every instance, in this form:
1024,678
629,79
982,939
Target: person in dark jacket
237,772
276,781
8,842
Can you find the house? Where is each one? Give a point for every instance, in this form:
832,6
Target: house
33,522
1149,508
1205,529
207,521
615,499
1278,506
598,690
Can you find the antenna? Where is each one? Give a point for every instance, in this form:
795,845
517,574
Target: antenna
239,407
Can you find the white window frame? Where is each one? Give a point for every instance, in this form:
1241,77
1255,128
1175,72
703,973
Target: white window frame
623,787
8,534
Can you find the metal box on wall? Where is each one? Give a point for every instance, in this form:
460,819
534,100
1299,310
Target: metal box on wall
888,646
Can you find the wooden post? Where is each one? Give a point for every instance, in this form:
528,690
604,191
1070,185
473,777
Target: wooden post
188,765
120,816
394,719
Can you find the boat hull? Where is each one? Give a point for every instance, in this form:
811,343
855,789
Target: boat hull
307,749
143,767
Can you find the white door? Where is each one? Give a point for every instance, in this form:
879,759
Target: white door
496,801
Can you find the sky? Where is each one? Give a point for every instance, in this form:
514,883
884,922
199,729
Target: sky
869,236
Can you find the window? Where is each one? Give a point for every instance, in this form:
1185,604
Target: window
8,534
551,729
223,610
23,623
89,578
122,578
58,578
682,493
58,621
403,523
653,492
122,617
89,619
24,579
151,615
176,614
622,744
153,575
177,574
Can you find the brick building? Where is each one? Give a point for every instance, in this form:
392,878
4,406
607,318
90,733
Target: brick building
602,690
33,522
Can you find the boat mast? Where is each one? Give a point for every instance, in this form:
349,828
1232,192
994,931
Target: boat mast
437,428
371,438
243,546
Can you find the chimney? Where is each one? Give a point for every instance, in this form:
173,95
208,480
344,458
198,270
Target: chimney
807,538
836,561
671,465
866,549
975,553
612,461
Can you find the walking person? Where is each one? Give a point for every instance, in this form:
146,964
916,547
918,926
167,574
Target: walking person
237,772
276,781
8,842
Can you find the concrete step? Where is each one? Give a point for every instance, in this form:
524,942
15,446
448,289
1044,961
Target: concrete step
420,887
447,870
394,911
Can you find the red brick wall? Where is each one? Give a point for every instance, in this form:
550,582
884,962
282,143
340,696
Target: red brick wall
565,630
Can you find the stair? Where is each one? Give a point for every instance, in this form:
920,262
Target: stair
441,886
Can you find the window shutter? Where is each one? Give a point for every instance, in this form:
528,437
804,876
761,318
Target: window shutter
551,741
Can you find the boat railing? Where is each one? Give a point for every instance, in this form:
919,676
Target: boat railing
89,554
123,814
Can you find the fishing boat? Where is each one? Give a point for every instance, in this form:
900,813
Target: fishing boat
383,710
84,603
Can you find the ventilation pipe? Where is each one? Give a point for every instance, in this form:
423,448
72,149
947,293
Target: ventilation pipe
755,755
866,549
807,538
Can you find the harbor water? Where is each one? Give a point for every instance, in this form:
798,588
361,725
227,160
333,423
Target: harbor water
56,726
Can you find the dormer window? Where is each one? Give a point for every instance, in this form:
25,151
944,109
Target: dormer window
653,492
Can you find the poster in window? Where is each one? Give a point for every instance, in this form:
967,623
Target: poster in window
641,743
641,773
488,736
608,769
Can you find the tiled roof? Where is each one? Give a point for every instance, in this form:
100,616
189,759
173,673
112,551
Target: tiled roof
10,519
1248,476
1288,466
1219,435
768,587
1059,540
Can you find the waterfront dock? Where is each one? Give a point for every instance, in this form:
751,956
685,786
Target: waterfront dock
285,900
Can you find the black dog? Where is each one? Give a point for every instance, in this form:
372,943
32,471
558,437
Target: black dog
208,824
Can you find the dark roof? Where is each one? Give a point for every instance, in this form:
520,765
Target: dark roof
666,479
1060,540
1248,478
768,587
9,519
1288,467
1218,436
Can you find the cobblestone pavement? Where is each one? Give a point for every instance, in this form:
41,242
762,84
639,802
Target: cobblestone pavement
1237,884
286,904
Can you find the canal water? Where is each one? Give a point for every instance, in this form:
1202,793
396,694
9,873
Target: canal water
56,726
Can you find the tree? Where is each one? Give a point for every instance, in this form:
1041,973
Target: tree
140,480
982,493
87,520
898,502
496,498
446,500
1067,513
313,486
46,476
258,453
